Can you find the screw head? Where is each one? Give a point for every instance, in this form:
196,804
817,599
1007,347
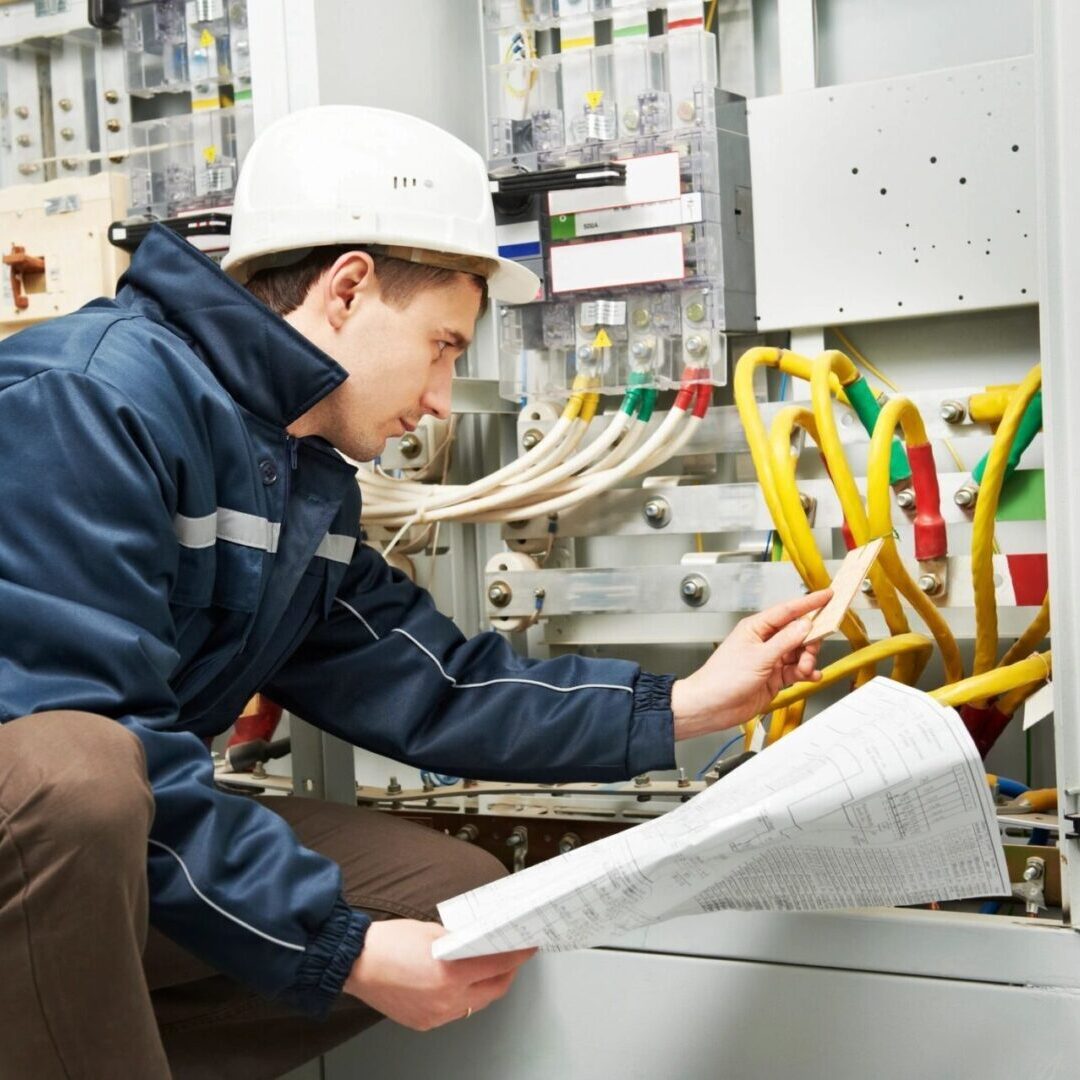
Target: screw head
929,583
696,345
531,438
965,497
585,353
631,120
867,587
568,841
685,111
22,140
640,317
112,96
499,594
953,412
113,125
906,499
70,164
29,169
694,590
657,512
66,104
695,311
684,780
393,788
67,134
642,781
641,349
22,112
409,445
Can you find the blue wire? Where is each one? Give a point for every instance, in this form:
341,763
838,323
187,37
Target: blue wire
1011,788
718,755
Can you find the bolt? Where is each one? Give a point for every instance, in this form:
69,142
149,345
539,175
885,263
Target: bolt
113,125
518,837
905,499
930,584
22,112
568,841
531,438
694,590
67,134
696,345
1034,869
409,445
685,111
585,353
684,780
29,169
965,497
469,833
657,512
393,788
425,782
499,594
631,120
642,349
258,770
644,780
112,96
695,312
640,317
22,140
867,587
539,593
70,164
117,159
953,412
66,104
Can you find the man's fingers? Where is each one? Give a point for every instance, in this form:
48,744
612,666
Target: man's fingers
787,640
482,994
768,622
478,968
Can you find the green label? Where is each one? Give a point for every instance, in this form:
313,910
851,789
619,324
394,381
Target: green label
563,227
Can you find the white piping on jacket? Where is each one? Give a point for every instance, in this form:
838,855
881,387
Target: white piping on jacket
220,910
489,682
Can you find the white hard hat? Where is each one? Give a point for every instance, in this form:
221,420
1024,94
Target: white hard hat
343,174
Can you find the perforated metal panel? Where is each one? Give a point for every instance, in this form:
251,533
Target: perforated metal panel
900,197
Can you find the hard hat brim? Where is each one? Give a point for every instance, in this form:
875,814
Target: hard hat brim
513,283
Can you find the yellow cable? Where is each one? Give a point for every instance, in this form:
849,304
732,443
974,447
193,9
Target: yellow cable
1035,668
982,533
879,374
1031,638
801,534
1008,703
776,726
899,411
844,482
914,647
795,715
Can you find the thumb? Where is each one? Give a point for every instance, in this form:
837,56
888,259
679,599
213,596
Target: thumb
790,637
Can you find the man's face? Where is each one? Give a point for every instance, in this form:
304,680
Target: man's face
400,360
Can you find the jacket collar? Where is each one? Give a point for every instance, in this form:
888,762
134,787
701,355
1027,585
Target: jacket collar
266,366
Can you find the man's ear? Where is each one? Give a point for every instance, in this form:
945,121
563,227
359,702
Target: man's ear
346,284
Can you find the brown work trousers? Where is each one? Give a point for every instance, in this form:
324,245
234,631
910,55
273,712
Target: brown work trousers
87,992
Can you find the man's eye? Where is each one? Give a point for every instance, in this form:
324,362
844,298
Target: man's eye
442,346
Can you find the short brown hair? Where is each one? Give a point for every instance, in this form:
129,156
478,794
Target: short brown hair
283,288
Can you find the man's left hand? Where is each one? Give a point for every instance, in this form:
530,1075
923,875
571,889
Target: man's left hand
762,655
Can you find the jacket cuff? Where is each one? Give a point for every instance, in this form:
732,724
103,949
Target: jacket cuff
651,744
328,960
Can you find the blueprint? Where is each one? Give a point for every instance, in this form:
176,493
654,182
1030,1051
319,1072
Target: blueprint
881,799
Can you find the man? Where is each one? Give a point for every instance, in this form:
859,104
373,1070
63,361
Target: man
178,532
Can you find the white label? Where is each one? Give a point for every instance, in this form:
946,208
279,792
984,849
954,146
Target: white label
653,178
523,232
607,264
603,313
682,211
1039,706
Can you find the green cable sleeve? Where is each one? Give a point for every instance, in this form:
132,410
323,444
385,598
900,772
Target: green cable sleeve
1030,426
868,410
648,403
637,386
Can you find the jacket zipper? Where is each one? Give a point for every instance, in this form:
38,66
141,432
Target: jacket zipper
291,448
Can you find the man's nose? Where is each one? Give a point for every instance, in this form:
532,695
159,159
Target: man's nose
436,399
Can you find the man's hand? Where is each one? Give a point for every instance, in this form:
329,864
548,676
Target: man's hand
762,655
396,974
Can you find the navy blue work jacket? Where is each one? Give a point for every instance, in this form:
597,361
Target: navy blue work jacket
166,550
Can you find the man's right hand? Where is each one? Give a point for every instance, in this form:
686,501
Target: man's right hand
396,975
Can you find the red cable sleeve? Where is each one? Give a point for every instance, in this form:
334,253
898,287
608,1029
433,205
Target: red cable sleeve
931,538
